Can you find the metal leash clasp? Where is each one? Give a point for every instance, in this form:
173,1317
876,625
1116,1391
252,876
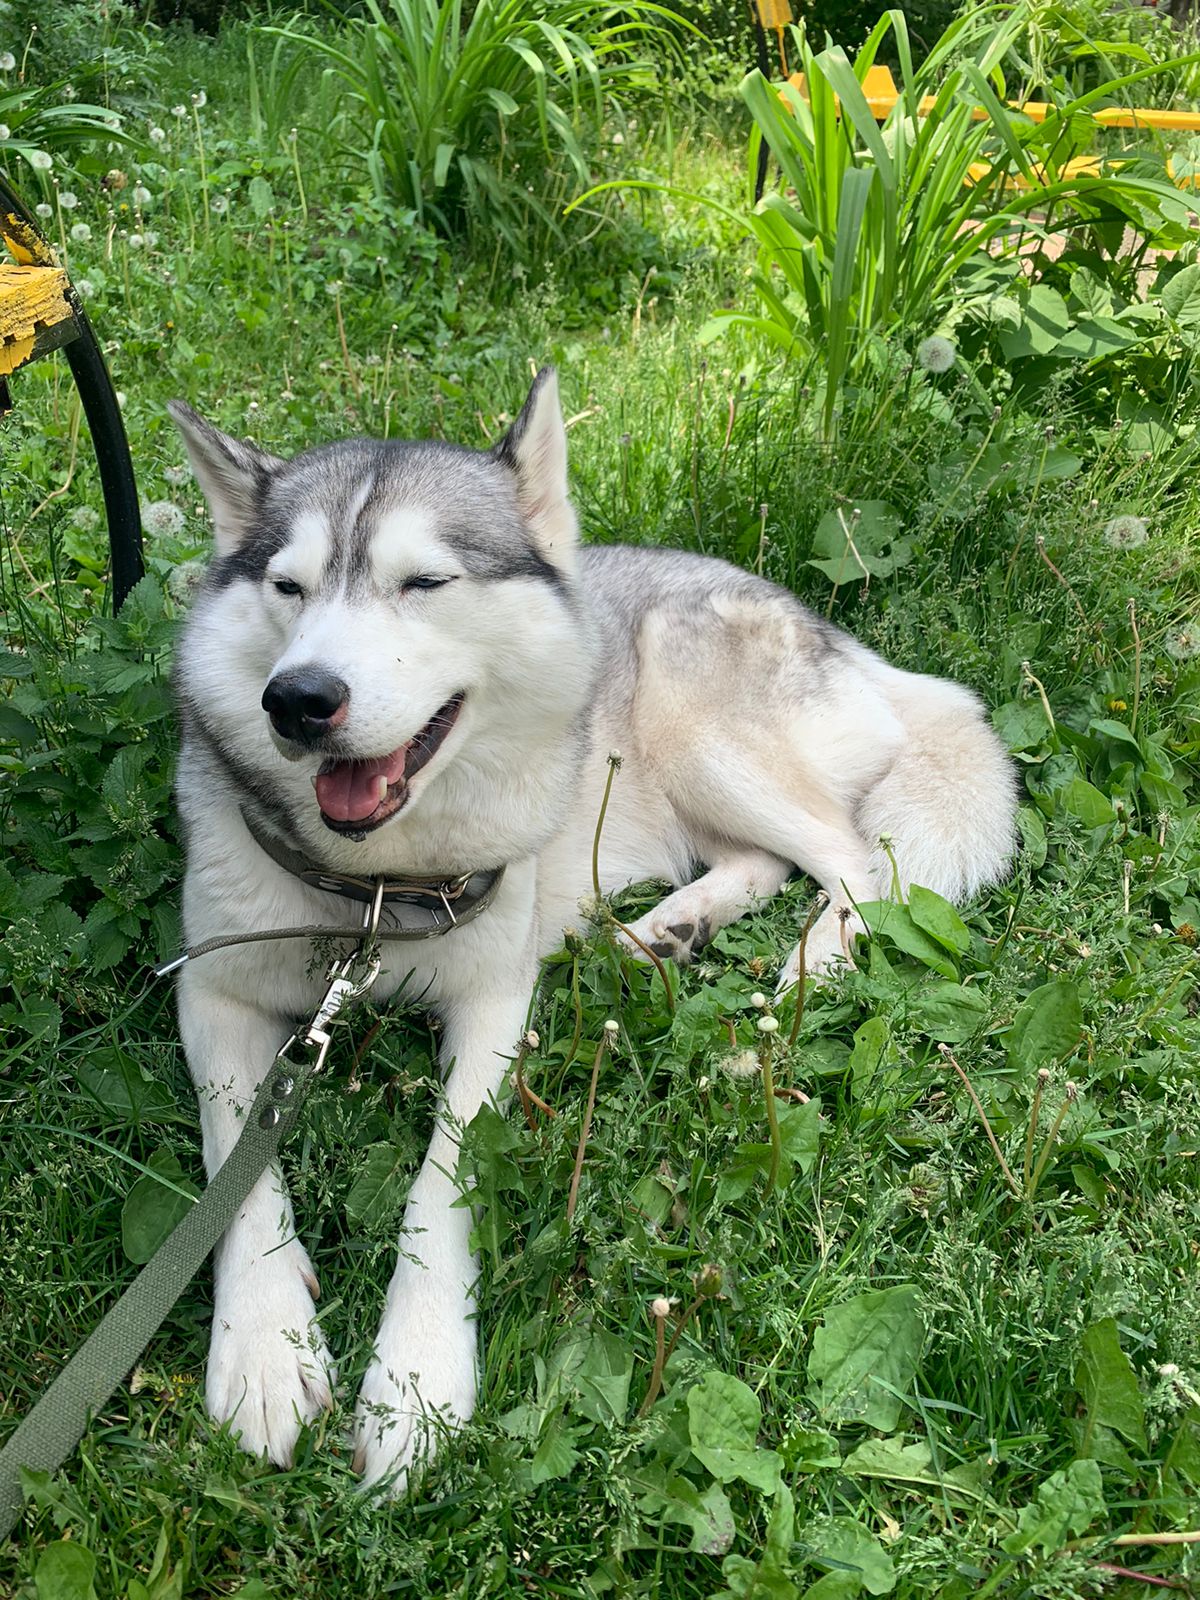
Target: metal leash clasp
348,980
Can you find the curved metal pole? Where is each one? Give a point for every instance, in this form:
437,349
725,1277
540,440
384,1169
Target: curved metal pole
104,420
107,428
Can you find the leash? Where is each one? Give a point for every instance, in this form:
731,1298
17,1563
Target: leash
50,1432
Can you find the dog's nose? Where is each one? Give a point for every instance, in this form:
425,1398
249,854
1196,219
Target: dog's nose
305,704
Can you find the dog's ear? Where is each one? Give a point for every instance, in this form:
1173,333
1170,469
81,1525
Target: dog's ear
535,450
232,473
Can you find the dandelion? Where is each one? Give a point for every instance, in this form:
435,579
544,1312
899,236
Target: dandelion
7,61
84,288
136,241
177,476
768,1024
41,160
179,111
68,200
185,579
142,196
333,288
745,1064
158,135
43,210
151,238
114,178
85,518
5,131
70,92
1183,642
81,233
220,204
660,1306
1126,533
936,354
162,517
618,138
199,99
758,1001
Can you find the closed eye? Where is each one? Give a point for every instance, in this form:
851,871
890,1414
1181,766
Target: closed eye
424,581
287,586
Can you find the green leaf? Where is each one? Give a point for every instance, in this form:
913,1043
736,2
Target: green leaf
65,1571
723,1422
861,541
262,197
767,1578
939,919
1047,1025
848,1548
896,923
380,1186
121,1088
1109,1386
1083,800
556,1454
152,1210
948,1011
870,1042
866,1348
1066,1505
707,1513
1021,724
1181,297
1033,835
800,1132
487,1167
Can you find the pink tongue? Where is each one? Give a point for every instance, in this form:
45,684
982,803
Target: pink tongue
350,791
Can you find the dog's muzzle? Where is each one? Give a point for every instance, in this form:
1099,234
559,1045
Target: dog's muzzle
305,704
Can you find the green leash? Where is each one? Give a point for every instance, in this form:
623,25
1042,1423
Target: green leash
49,1434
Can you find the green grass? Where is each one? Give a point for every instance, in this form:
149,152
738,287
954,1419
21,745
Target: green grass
558,1487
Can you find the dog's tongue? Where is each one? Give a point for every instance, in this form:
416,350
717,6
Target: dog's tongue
349,790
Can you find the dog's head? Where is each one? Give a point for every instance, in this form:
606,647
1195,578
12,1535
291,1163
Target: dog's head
373,597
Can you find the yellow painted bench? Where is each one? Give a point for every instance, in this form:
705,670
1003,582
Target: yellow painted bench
881,94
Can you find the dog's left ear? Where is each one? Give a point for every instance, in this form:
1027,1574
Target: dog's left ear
535,450
233,475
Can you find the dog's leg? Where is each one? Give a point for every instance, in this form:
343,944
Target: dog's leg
685,921
831,851
268,1367
422,1379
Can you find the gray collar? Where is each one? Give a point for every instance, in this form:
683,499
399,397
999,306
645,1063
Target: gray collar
419,907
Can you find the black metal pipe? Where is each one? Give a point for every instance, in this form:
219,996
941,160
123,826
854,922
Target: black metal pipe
117,481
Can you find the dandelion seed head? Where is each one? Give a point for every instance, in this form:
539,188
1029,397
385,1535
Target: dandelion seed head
1183,642
162,517
85,518
742,1064
41,160
43,210
7,61
185,580
68,200
141,195
1126,533
158,135
936,354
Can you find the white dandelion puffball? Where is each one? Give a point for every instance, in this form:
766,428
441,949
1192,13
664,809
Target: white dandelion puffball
136,241
5,131
67,200
43,210
199,99
1184,642
85,518
141,195
1126,533
936,354
179,111
220,204
84,288
185,579
7,61
157,135
41,160
177,476
81,233
162,517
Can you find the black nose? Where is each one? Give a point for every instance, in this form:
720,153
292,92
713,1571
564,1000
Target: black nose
305,704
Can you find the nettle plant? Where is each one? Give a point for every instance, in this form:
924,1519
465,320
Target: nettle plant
86,747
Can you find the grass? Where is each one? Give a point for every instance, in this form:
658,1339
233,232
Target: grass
559,1486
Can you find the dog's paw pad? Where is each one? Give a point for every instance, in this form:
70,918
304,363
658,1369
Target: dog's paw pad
670,941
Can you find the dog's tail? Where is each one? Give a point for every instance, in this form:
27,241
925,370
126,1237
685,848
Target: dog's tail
947,803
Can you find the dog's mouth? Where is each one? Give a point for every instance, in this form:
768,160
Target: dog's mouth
357,796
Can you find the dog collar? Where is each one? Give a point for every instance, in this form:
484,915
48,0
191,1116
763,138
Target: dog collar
423,907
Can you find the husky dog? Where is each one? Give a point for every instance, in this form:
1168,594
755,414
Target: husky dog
401,662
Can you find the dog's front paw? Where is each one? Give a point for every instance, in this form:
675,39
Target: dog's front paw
420,1387
674,930
269,1370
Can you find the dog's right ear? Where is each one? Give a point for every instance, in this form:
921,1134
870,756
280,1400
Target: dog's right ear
232,473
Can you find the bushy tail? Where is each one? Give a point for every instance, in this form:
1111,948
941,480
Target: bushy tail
948,802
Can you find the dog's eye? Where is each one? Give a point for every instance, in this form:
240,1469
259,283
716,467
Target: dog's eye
287,586
425,582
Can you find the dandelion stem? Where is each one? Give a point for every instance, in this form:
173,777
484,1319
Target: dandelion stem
1031,1133
660,1361
614,762
768,1086
987,1127
815,911
1137,665
606,1040
1048,1147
